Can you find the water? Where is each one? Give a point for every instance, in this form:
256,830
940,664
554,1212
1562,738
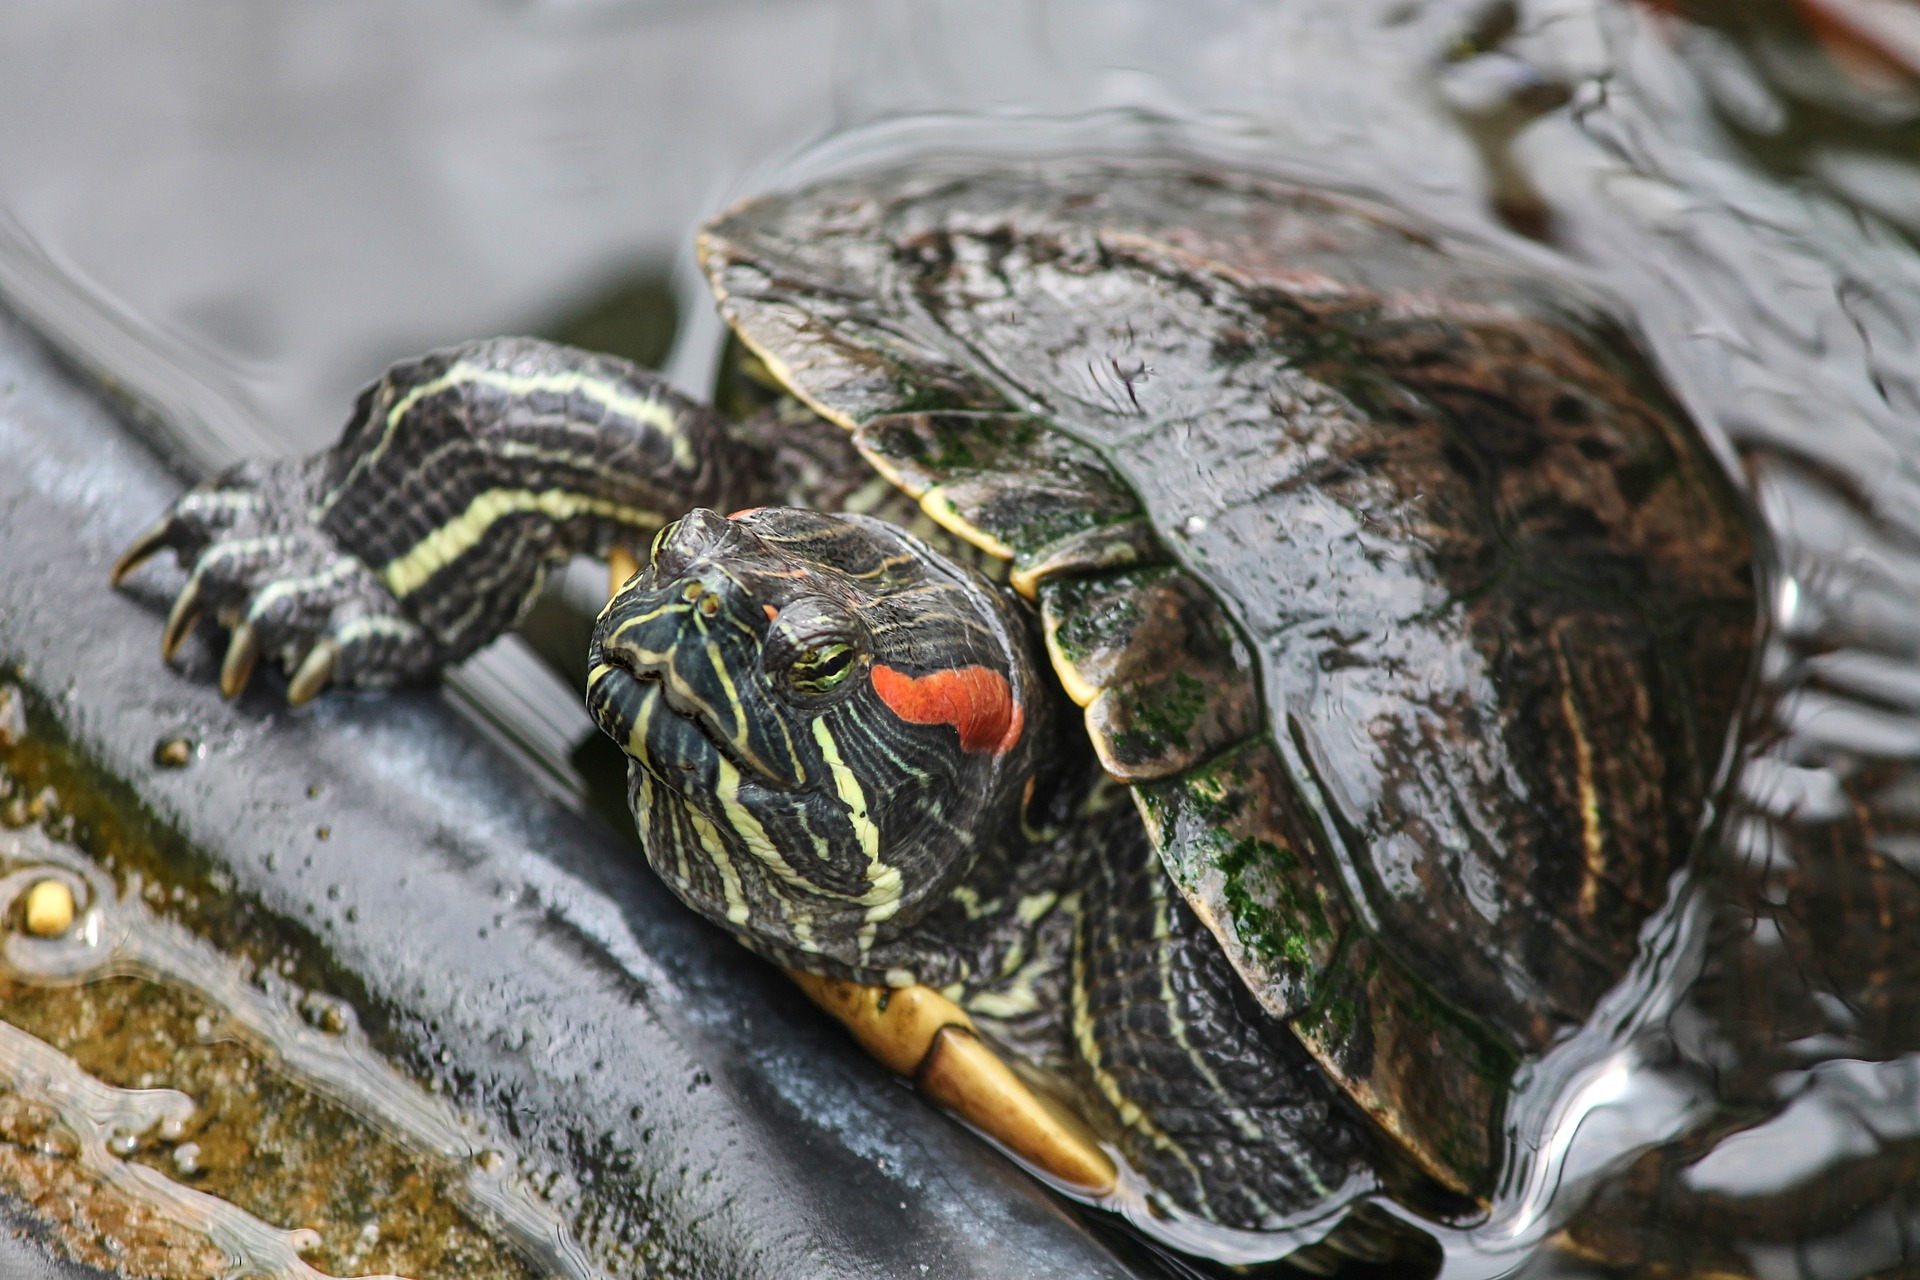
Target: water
244,215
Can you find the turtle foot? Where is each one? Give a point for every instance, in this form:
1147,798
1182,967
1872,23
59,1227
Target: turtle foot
259,564
915,1031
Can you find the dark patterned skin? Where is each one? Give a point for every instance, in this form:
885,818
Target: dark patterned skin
1155,1011
1387,576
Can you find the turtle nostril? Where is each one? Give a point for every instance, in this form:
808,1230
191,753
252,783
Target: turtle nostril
702,535
704,596
699,539
676,549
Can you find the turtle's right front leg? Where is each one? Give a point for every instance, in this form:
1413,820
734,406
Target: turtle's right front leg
428,529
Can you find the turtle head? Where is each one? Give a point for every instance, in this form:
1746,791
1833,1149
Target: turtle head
825,719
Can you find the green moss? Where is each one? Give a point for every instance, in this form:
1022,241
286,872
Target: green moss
1094,613
1028,518
1275,913
1213,792
1176,708
952,449
1342,1015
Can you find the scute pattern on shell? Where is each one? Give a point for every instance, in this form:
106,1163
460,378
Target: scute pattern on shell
1498,600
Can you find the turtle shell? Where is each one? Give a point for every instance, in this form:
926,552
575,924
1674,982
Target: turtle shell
1407,600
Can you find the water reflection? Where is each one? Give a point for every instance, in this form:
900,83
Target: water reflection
244,216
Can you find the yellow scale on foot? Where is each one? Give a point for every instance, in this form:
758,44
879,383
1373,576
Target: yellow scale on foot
915,1031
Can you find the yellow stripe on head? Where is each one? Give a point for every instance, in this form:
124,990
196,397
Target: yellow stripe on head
882,897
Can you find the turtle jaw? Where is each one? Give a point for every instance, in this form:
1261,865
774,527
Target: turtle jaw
667,735
627,705
687,633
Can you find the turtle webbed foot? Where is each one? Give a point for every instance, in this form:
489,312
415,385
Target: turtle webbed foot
259,564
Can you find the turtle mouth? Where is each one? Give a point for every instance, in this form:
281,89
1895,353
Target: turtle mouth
627,700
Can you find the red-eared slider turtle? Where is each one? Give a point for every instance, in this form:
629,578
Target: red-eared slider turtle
1400,596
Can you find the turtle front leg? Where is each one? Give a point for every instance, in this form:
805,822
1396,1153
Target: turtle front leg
462,477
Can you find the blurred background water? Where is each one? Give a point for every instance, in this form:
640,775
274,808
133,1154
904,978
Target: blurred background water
239,214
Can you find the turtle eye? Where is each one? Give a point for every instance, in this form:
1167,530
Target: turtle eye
821,668
812,646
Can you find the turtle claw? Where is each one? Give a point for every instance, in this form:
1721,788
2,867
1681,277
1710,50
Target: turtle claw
182,618
260,559
143,548
316,671
243,651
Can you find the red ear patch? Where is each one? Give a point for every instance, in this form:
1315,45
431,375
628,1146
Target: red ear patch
976,701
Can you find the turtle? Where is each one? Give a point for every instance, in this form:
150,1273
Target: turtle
1206,673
